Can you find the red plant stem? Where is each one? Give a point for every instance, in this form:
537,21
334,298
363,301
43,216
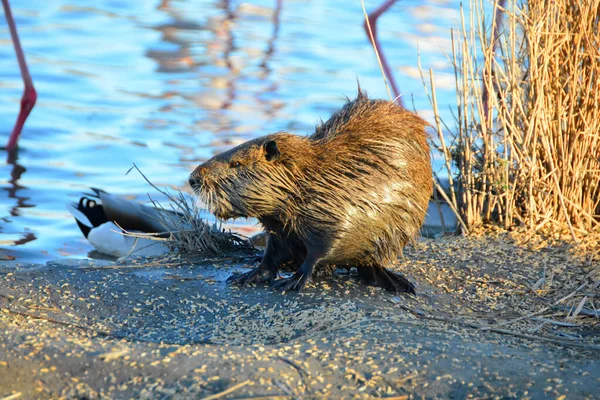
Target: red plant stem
29,94
386,68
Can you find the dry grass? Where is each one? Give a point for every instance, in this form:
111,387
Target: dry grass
527,154
188,231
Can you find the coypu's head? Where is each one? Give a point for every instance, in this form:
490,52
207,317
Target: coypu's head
250,180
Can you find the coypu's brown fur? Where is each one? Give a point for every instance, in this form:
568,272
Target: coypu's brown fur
351,194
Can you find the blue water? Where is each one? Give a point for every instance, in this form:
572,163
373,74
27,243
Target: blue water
168,84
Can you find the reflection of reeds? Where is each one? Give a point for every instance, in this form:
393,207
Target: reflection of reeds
188,231
528,154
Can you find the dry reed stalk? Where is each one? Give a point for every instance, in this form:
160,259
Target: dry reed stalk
529,153
188,231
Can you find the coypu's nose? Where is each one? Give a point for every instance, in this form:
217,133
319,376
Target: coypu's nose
193,180
195,177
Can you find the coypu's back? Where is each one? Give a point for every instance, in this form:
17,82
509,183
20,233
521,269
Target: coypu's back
371,178
374,118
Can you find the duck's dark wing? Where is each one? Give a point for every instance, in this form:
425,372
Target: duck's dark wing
98,207
134,216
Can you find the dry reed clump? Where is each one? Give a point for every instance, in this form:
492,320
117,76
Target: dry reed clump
188,232
526,150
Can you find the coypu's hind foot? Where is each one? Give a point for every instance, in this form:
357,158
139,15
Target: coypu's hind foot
383,277
257,275
300,278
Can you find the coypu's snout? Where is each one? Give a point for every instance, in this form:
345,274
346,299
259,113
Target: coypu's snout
230,183
193,181
205,182
195,178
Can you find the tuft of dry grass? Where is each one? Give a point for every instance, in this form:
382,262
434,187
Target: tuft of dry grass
526,149
187,231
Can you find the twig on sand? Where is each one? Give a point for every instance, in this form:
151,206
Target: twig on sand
98,332
584,311
230,390
422,315
12,396
556,303
350,324
5,297
158,263
55,321
554,322
297,367
128,266
270,397
301,372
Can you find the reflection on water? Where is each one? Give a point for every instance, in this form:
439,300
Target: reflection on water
12,190
14,187
167,84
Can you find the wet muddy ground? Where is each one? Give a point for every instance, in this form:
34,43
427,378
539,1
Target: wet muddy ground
482,326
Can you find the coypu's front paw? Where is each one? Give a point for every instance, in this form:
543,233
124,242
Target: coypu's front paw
295,282
257,275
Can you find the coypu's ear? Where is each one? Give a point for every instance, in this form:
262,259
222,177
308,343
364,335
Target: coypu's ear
361,93
271,151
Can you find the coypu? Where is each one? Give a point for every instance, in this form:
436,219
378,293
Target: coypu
351,195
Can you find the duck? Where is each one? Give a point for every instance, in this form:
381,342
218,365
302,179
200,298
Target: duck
107,220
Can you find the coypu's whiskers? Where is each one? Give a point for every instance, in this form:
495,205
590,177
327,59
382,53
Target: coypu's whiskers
188,231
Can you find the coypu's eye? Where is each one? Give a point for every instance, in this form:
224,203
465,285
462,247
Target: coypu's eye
235,164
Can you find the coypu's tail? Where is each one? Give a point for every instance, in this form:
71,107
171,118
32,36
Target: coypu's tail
383,277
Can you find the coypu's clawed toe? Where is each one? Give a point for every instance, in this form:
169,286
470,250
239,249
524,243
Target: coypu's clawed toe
257,275
296,282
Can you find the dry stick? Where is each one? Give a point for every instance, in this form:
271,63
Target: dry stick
567,297
226,392
438,205
345,325
5,297
447,157
195,236
12,396
420,314
301,372
485,119
440,189
558,189
297,367
115,266
55,321
152,265
88,328
584,311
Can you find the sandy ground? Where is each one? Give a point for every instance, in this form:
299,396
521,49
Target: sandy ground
490,321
